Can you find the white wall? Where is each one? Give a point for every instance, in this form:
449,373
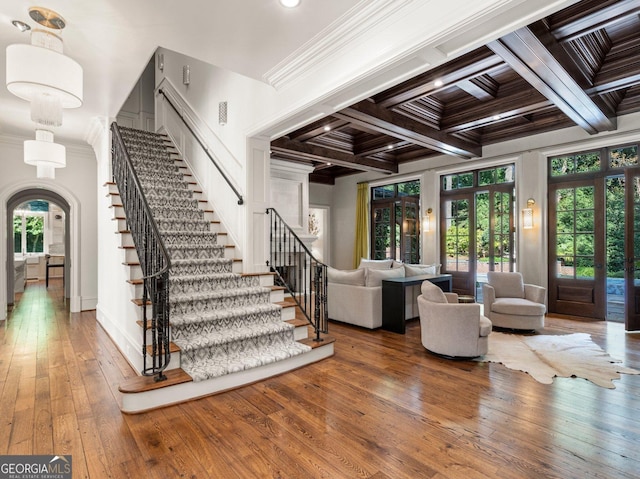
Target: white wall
115,310
75,183
531,182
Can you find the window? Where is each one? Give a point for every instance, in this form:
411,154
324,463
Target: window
623,156
29,227
576,163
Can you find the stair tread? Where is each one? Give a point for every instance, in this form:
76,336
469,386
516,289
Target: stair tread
148,383
237,334
313,344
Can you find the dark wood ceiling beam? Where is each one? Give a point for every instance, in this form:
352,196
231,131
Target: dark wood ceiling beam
327,155
321,178
483,87
596,20
533,61
378,145
316,129
516,100
469,66
404,128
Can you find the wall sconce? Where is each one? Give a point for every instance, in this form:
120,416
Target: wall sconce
186,75
427,220
527,214
160,61
222,113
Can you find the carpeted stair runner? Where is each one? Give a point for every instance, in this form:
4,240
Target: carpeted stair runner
223,322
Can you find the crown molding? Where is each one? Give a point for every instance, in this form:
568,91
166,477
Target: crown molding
365,16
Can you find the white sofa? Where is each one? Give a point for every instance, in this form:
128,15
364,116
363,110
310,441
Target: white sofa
355,296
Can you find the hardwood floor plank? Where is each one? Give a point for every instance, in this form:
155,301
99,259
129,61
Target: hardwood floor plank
382,407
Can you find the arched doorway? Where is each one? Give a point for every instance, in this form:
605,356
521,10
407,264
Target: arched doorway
27,195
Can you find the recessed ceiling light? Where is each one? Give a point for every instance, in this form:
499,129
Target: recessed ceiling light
438,83
327,128
389,147
290,3
328,164
23,27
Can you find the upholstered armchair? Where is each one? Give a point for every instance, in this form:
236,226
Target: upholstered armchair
510,303
449,328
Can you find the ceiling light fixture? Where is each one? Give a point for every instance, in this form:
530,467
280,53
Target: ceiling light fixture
290,3
438,83
41,74
496,117
327,128
23,27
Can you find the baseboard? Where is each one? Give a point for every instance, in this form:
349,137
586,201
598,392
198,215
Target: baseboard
128,347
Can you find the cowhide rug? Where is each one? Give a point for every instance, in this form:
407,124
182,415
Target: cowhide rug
545,357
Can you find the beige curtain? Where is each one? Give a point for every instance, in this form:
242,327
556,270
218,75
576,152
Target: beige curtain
361,248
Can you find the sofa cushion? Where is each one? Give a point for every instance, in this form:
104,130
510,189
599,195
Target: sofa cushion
517,307
375,263
506,285
432,293
355,277
418,269
375,276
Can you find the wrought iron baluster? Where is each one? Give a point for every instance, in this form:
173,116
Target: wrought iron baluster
153,256
295,268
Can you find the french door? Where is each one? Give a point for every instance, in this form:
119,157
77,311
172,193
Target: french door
632,250
577,248
594,247
477,236
395,231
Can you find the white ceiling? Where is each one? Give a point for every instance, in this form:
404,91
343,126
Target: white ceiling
113,40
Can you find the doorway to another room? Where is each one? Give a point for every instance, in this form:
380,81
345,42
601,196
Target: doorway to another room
37,242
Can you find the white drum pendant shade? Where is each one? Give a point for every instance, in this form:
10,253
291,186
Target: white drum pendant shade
33,70
46,156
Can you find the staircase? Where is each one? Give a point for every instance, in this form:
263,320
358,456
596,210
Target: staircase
226,328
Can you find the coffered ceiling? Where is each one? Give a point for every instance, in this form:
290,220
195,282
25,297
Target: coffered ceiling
579,66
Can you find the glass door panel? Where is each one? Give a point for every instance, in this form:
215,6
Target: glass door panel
632,249
459,244
576,284
616,261
381,228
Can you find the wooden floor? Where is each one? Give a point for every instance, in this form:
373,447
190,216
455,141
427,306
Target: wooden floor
382,407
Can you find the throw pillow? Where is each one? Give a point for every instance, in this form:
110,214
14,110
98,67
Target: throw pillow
375,263
355,277
375,276
418,269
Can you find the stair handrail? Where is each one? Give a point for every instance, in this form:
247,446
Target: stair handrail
204,147
288,254
153,255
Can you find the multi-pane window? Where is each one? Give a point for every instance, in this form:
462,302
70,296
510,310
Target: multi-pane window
575,163
623,156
